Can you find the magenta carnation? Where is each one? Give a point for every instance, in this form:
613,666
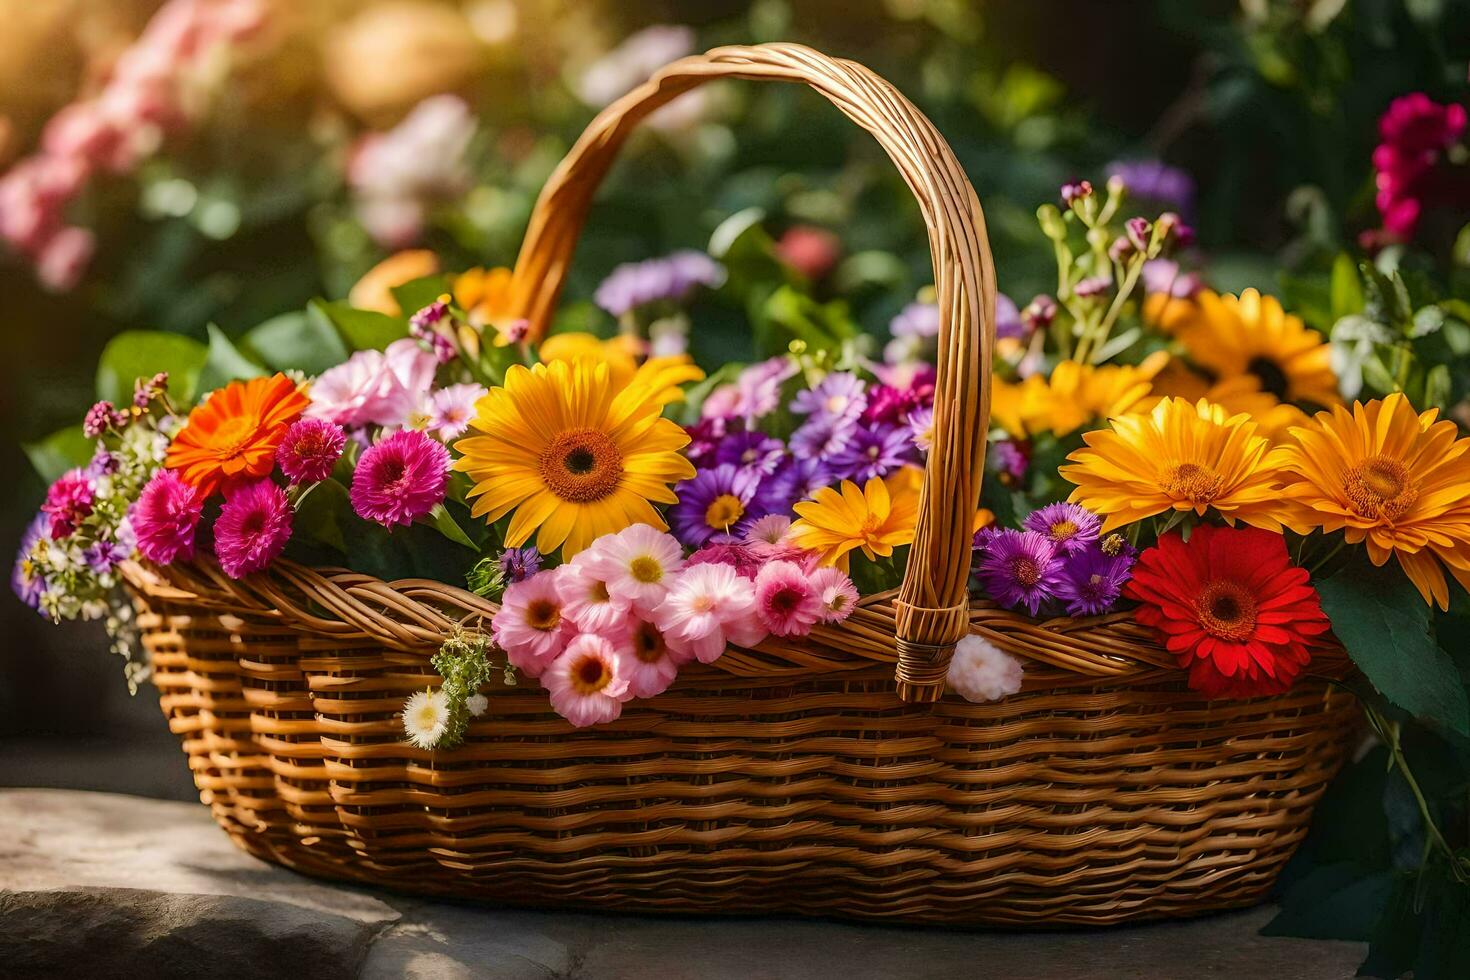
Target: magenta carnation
69,502
400,479
253,527
310,449
166,518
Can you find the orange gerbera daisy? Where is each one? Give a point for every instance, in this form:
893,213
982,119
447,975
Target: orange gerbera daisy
233,435
1390,477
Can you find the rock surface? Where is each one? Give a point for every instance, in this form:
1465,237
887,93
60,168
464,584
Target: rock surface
98,885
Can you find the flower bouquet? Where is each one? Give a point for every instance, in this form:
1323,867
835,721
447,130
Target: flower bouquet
442,600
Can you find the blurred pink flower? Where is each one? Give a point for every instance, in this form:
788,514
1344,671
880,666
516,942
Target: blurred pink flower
397,174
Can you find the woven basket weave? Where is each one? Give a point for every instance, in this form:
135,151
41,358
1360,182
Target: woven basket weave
825,776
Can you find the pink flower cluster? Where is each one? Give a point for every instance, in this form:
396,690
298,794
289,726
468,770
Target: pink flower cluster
157,87
393,388
1415,132
396,175
619,620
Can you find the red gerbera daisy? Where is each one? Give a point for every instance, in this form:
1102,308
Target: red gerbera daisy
1232,607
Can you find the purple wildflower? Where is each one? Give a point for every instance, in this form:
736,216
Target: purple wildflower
104,463
758,388
916,320
874,452
840,396
1071,527
98,420
799,478
1008,323
1091,581
705,438
713,503
1156,182
672,277
821,437
519,564
1009,460
102,555
753,451
1019,568
921,428
25,581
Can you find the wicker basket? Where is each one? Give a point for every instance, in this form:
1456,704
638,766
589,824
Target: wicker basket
828,776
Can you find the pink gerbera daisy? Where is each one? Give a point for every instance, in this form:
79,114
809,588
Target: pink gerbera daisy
450,410
252,528
400,479
586,682
708,607
586,593
530,626
648,663
310,449
166,518
637,563
785,600
837,593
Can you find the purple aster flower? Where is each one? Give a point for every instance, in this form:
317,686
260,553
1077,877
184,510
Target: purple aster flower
519,564
1157,182
874,452
752,451
799,478
672,277
25,580
104,463
1071,527
713,503
821,436
103,556
1008,318
1007,458
916,320
1019,568
840,396
1091,581
758,388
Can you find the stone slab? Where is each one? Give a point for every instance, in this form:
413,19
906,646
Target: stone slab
102,885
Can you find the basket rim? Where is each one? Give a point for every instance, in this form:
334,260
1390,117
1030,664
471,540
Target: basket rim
414,616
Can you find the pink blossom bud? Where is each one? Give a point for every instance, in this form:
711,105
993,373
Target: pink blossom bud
1076,191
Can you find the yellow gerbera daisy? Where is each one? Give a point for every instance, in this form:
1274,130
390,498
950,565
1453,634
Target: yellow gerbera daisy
877,518
1240,395
1074,396
1180,456
1390,477
1252,334
572,454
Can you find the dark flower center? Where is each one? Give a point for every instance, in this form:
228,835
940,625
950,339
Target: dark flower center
1271,376
1380,488
581,465
543,614
1026,571
1226,610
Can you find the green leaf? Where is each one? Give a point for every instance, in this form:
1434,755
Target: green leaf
320,512
60,451
416,294
360,329
225,363
1347,288
446,525
1384,623
137,354
296,341
1334,901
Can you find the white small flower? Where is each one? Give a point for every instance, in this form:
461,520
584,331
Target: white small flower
476,704
425,718
981,671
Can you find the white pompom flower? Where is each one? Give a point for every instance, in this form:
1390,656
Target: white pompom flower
980,671
476,704
426,718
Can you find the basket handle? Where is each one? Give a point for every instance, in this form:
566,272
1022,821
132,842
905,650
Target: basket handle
932,608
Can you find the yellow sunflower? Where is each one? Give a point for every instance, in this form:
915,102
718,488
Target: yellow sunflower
1180,456
1229,336
876,518
573,455
620,354
1392,478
